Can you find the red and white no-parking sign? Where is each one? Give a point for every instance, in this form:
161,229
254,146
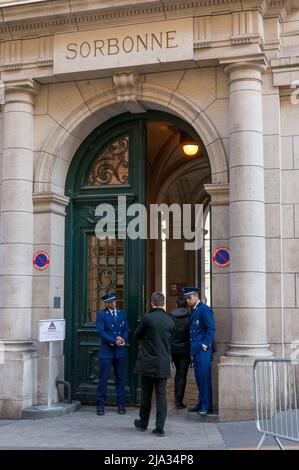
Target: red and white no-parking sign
41,260
221,256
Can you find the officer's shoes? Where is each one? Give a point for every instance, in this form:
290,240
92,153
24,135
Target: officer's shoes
121,411
203,412
100,411
193,409
139,426
159,432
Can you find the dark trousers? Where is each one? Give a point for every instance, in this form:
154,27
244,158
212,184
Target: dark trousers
147,387
119,372
181,362
202,372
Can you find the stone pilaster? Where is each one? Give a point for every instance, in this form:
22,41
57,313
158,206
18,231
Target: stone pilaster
247,242
219,194
49,229
16,239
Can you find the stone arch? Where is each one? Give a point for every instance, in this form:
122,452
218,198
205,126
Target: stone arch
189,166
61,145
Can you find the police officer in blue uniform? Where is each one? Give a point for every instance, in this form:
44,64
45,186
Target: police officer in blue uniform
202,333
112,328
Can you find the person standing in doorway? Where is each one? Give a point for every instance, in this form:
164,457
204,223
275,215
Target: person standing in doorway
202,333
112,328
180,349
155,332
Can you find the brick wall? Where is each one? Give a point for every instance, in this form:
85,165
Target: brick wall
191,392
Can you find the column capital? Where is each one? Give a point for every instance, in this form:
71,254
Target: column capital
219,193
245,70
23,90
49,203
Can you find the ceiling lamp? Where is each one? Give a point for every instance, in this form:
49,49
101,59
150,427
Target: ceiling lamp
190,146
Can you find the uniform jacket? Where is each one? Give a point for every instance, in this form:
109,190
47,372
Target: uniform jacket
202,328
108,328
155,331
181,339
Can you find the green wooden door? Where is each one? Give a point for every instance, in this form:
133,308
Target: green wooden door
109,164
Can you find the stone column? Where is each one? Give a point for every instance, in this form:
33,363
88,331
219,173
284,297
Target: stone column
247,212
247,241
18,366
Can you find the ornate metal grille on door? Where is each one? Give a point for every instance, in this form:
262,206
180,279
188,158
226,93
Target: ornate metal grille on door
111,166
106,271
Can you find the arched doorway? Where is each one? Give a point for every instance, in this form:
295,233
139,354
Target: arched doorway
131,156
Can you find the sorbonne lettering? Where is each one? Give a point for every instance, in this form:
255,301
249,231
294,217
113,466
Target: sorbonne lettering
128,44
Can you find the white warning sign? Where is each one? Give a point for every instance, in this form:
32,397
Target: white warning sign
51,330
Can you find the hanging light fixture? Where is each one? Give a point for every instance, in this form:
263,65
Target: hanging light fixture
190,146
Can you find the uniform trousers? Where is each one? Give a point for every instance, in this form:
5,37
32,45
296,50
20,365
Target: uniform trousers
119,372
202,372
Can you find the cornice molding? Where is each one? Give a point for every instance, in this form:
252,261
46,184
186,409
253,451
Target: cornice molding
37,22
57,16
219,193
277,8
286,72
18,348
49,203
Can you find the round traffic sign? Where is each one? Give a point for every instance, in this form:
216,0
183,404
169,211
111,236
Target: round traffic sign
221,256
41,260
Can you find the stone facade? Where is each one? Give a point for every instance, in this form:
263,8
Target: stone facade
234,80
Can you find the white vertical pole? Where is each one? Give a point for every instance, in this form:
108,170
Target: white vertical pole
164,259
50,374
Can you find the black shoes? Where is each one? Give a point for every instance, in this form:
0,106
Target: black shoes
157,431
139,426
193,409
180,406
101,411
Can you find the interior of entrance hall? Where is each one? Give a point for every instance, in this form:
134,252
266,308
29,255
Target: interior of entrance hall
175,178
140,157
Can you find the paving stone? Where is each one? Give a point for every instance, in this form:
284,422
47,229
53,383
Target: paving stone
83,429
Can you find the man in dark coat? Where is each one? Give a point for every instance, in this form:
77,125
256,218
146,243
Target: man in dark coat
155,331
180,350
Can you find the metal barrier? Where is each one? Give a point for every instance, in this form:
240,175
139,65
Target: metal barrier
66,385
276,385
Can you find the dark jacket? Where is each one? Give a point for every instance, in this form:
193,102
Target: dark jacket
155,331
181,339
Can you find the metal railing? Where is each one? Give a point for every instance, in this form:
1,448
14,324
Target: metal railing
67,386
276,385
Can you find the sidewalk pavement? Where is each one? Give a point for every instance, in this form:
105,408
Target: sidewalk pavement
83,429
